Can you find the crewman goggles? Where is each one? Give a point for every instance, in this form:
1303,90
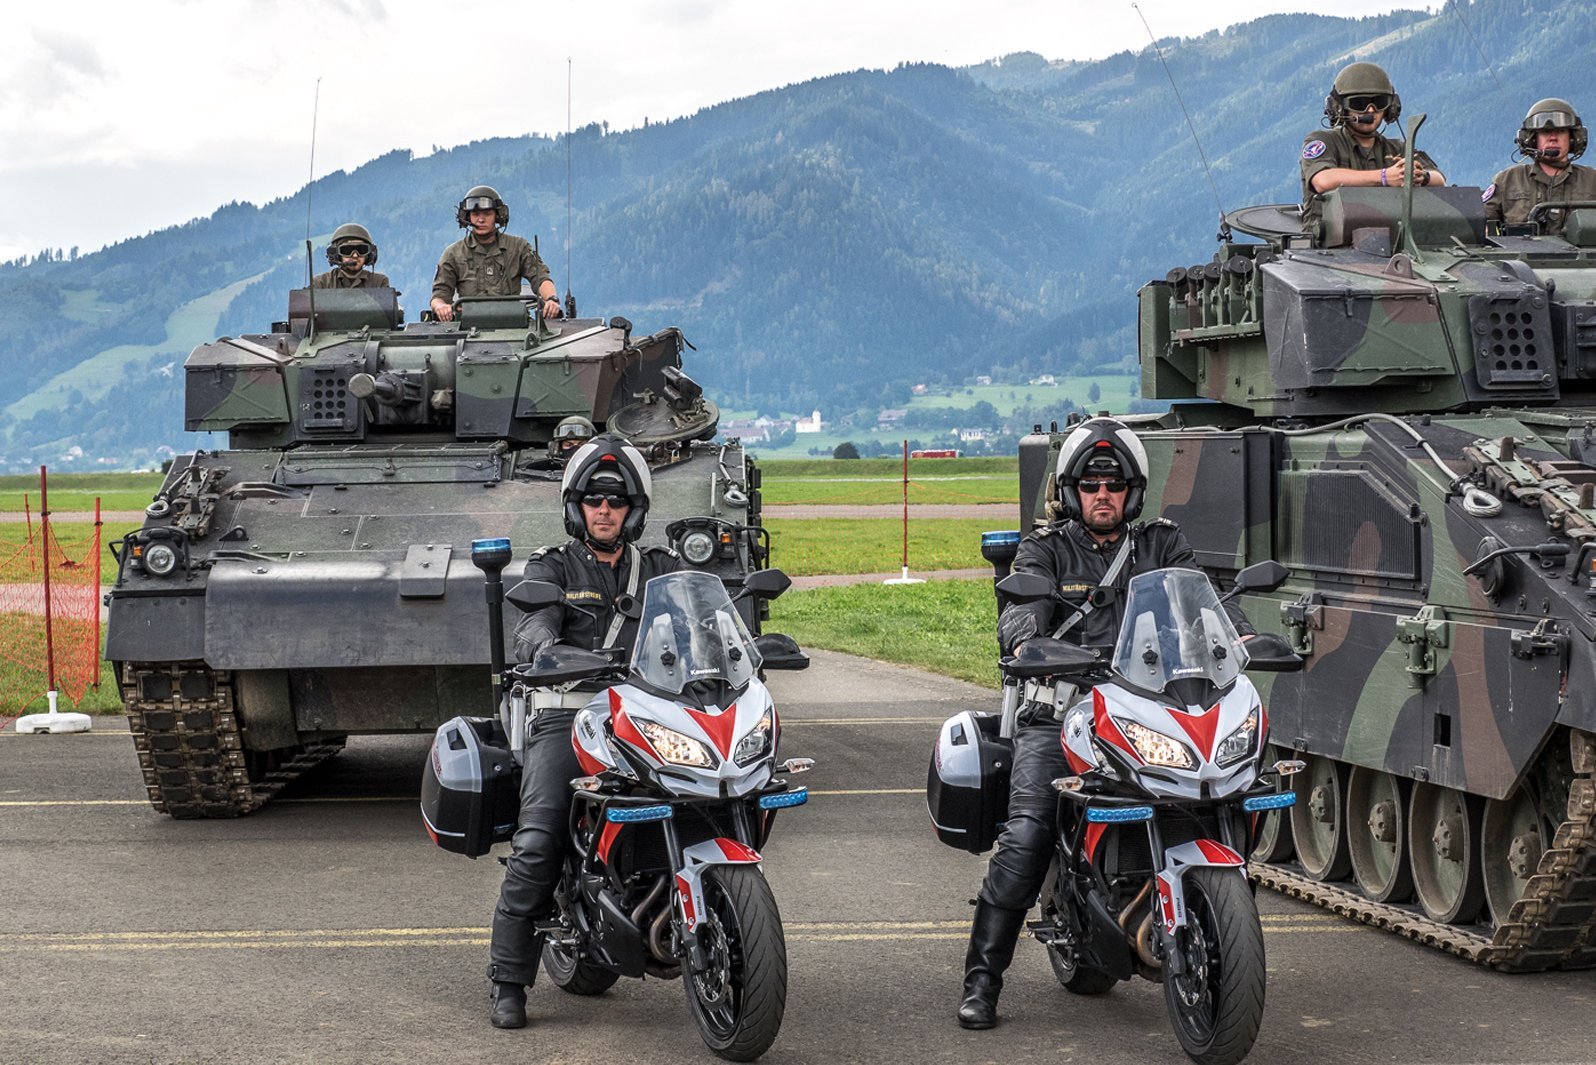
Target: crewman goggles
480,203
616,502
1380,101
355,248
1551,120
1093,487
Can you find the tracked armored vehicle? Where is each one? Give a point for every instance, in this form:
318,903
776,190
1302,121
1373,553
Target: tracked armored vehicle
1402,409
313,580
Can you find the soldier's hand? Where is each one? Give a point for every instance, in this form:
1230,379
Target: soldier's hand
556,312
442,310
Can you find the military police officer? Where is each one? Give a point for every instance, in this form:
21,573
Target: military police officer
1551,137
1351,151
352,253
1101,480
488,261
605,497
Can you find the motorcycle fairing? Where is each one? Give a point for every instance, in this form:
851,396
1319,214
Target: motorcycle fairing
719,730
1201,731
690,877
1171,880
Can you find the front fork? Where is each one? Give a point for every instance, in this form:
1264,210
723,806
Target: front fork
688,908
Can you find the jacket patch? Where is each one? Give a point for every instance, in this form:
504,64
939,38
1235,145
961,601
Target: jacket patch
1490,190
583,594
1313,149
1075,589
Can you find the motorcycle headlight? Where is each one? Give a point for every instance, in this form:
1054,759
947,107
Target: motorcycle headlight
1155,748
1239,744
675,748
159,559
756,744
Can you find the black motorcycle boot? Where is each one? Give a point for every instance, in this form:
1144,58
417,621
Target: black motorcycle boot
993,937
507,1005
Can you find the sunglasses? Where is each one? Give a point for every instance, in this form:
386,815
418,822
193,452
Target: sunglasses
616,502
353,249
1093,487
1378,101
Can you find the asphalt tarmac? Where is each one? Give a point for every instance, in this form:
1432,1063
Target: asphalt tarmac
328,928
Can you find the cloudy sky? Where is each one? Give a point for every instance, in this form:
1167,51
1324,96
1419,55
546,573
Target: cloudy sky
119,118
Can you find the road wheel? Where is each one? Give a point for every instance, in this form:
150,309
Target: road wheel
738,1000
1444,845
1513,836
1217,1004
1377,834
1319,821
1272,838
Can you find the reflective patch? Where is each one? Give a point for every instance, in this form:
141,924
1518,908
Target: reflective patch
1313,149
583,594
1490,190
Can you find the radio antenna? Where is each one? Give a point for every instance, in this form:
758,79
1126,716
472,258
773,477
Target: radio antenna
568,299
1457,9
310,191
1207,172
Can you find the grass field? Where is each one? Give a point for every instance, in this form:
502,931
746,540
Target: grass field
77,491
947,627
73,538
803,548
1115,389
22,688
880,481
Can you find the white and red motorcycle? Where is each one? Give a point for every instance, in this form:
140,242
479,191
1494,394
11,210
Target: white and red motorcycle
666,828
1165,787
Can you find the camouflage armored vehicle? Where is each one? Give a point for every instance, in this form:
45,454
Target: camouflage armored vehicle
313,581
1402,409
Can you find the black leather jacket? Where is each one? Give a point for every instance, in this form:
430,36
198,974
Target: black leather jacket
1068,555
591,588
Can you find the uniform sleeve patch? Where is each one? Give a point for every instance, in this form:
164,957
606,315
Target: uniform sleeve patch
1313,149
1490,190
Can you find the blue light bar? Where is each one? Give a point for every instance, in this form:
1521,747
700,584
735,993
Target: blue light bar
493,545
993,539
1118,815
1278,801
628,815
783,799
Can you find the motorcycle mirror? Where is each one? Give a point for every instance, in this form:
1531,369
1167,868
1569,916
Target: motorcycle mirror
1043,656
765,583
534,595
1260,577
779,651
1025,587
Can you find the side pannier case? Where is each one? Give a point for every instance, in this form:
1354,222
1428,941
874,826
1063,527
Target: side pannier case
967,789
471,786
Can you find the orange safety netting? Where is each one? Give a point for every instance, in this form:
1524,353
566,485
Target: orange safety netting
47,638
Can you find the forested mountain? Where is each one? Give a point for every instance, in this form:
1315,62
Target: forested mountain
825,244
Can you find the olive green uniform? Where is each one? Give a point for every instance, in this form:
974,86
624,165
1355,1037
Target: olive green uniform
1327,149
336,278
1518,188
470,268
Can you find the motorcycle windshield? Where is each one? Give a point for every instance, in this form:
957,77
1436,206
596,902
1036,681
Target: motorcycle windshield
690,632
1175,629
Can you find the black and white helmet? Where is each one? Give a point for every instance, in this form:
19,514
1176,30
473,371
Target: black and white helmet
607,463
1101,446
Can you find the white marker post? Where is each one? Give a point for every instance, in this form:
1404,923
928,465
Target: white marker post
52,721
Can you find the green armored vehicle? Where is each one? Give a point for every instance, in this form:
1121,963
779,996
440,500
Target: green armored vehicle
1402,409
313,581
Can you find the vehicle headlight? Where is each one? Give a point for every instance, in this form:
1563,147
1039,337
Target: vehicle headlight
673,747
159,559
698,547
1155,748
756,744
1239,744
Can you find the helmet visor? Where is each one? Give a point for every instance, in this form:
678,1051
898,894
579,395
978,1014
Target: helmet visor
1379,101
353,247
1551,120
479,203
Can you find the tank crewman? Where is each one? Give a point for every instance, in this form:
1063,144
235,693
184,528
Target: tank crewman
1101,479
352,253
1551,137
570,434
488,261
1350,150
605,497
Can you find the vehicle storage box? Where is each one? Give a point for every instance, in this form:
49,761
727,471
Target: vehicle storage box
471,786
967,789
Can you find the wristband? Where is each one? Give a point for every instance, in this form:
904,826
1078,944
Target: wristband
1382,177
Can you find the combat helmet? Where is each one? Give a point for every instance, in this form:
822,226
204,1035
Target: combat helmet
1101,445
351,231
481,198
608,463
571,432
1552,113
1360,79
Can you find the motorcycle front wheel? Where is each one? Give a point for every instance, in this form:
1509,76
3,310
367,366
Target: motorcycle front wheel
1217,1004
739,999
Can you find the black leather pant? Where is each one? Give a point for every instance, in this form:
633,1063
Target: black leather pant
1025,846
538,849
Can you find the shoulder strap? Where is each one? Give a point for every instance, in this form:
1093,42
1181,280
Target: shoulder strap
634,563
1114,567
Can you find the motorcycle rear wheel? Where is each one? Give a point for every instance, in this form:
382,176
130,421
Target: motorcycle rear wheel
739,1001
1217,1004
1074,975
575,976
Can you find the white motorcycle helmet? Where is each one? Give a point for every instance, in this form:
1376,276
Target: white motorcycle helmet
1101,445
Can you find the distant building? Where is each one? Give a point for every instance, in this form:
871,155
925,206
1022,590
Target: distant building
811,424
983,379
969,435
1046,380
936,453
918,390
889,418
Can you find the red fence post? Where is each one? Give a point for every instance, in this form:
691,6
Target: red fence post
49,603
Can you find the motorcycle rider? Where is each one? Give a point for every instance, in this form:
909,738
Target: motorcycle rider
605,496
1090,555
